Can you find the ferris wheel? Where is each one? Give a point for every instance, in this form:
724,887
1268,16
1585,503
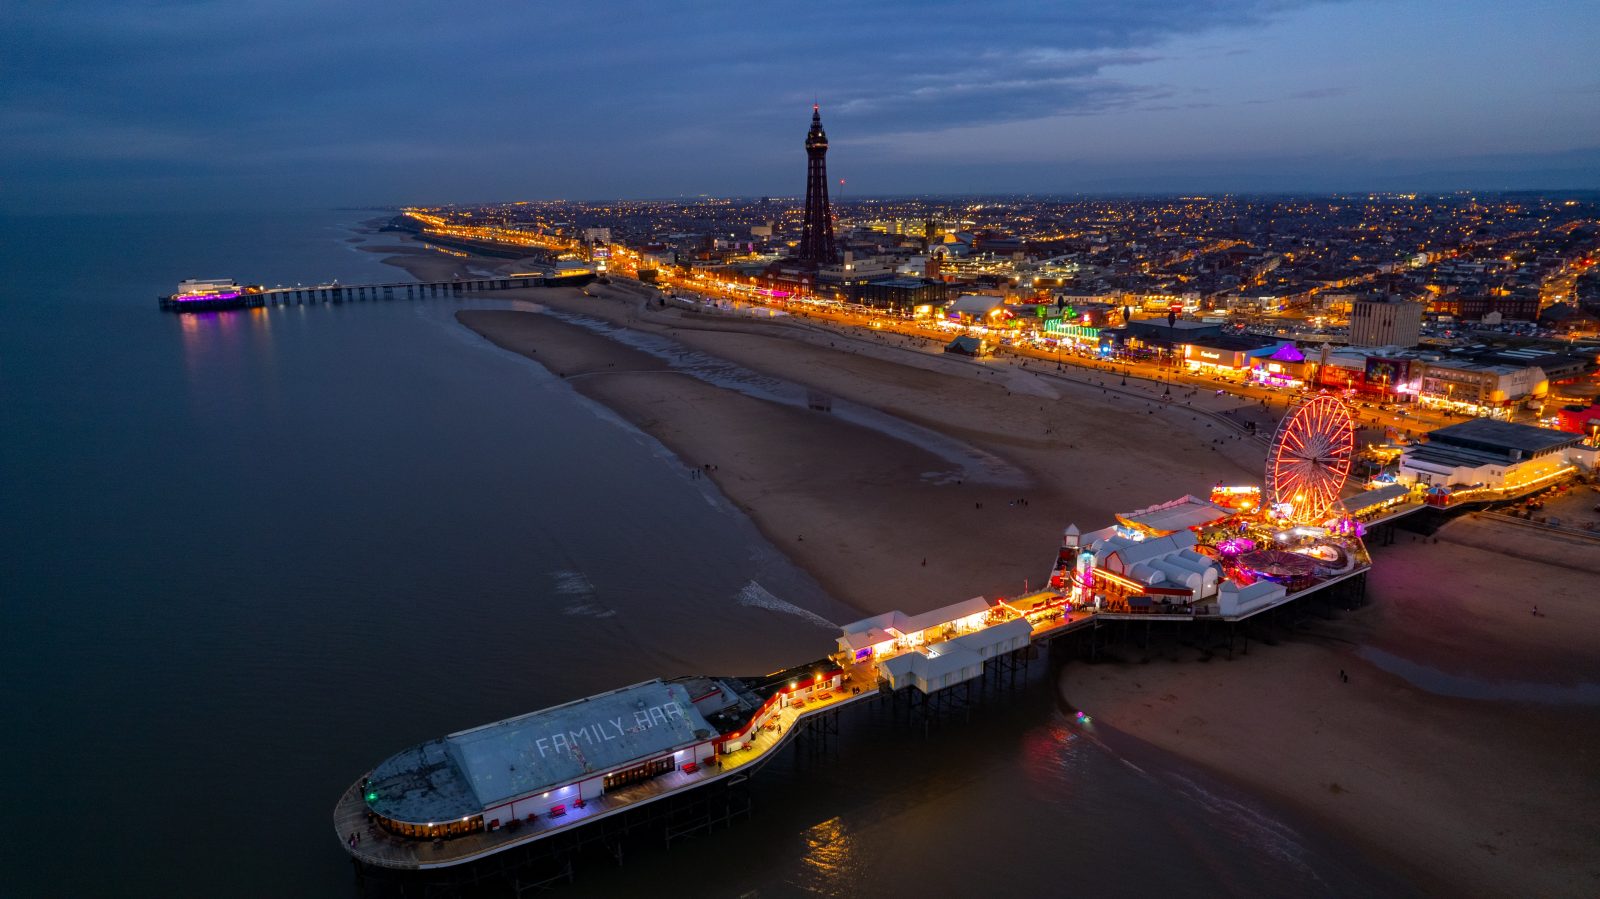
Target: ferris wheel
1309,460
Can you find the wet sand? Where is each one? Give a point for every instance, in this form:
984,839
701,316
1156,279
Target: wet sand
859,510
422,261
1476,796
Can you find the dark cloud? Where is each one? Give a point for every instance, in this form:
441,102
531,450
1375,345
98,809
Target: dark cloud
306,101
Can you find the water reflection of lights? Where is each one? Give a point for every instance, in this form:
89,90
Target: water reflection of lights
216,340
829,851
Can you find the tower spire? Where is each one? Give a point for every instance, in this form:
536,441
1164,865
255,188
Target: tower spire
816,238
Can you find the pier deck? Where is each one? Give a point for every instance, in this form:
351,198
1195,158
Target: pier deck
380,848
398,290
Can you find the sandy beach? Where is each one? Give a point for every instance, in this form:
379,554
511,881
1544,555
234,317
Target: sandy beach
1468,791
1473,794
422,260
862,511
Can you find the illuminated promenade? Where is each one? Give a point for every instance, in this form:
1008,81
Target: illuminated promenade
622,261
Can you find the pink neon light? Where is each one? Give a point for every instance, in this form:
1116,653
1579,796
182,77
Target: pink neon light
191,297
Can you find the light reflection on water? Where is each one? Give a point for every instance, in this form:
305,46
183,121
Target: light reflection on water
266,549
830,858
1020,798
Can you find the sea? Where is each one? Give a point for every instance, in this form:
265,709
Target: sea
246,555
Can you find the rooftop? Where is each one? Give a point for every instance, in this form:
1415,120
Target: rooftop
1504,436
475,769
1231,343
1176,515
871,631
1181,324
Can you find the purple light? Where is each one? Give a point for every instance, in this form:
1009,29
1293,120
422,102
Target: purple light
193,297
1233,546
1349,527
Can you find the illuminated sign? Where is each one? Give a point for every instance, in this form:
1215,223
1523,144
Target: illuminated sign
1387,372
1059,328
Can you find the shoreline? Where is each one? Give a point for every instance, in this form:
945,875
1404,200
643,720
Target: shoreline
881,513
1393,749
1482,796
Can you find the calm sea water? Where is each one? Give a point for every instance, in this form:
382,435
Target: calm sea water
246,555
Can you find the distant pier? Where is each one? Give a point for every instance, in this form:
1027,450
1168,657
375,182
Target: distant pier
251,297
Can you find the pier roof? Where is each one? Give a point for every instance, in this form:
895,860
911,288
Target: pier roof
473,770
421,785
1377,496
1176,515
886,626
568,743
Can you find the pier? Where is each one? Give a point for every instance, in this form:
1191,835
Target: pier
675,756
383,850
253,297
686,801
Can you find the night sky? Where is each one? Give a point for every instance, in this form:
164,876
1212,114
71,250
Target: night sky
294,103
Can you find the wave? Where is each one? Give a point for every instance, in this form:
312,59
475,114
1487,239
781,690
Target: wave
757,596
583,597
1249,826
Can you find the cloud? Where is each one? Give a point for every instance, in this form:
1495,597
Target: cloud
1001,86
304,101
1316,93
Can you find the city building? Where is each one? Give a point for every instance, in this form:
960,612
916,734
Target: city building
1281,366
1518,306
1493,455
1384,376
853,269
1580,419
918,297
1225,354
1385,321
977,308
1476,388
1155,338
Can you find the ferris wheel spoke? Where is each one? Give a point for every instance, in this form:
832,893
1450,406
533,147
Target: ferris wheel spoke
1311,457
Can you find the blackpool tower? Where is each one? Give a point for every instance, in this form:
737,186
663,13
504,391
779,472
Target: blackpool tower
816,241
